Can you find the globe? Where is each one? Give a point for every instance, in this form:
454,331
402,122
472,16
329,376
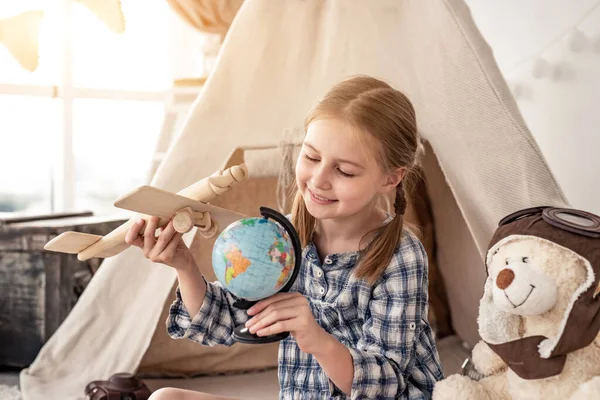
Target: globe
254,258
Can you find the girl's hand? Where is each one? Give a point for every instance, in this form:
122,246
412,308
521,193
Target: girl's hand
166,248
287,312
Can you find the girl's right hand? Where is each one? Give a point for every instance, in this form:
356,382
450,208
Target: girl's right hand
167,248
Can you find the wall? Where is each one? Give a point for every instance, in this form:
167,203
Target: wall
562,107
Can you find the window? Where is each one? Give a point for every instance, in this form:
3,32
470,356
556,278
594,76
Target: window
95,92
113,143
28,131
133,60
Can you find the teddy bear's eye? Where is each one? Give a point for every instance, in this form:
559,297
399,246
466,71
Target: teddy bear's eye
525,259
506,261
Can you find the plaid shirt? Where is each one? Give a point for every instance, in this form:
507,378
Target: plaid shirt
384,326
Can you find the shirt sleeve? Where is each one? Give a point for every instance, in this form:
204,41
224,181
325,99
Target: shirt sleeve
215,321
385,355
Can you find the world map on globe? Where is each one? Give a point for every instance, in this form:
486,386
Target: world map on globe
253,258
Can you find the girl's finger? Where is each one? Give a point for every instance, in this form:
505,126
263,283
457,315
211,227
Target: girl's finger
163,239
273,317
174,243
133,237
138,242
261,305
149,239
277,327
293,302
299,305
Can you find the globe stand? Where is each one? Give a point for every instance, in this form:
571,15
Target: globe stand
240,332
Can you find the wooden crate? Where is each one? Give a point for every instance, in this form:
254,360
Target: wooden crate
39,288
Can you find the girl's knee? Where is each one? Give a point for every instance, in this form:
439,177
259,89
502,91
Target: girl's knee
167,394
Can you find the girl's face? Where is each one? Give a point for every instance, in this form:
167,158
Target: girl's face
337,176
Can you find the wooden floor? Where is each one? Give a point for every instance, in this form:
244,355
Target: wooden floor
452,354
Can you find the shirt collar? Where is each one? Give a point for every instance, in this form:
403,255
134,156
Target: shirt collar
336,260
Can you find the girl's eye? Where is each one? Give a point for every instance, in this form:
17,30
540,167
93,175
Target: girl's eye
345,174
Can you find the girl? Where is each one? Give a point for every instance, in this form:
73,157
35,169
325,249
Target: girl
358,310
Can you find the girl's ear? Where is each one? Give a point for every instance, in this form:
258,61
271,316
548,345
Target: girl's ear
394,178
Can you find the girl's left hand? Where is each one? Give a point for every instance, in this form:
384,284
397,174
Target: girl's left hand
287,312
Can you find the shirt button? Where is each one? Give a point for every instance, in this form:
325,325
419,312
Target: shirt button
319,273
328,261
322,290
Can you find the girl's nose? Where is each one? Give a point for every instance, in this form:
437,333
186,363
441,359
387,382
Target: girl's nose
320,179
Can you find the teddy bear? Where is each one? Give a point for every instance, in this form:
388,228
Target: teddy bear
539,317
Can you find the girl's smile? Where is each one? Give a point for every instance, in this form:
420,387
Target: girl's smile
319,199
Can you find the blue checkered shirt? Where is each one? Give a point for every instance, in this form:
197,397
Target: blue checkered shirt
384,326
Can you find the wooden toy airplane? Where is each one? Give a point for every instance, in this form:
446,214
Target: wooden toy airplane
187,208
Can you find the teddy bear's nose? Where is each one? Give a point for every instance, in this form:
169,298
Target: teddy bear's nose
505,278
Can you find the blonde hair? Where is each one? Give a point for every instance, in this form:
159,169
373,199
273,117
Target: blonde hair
386,115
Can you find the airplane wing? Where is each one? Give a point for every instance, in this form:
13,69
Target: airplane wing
163,204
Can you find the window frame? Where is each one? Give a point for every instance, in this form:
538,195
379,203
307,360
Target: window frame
63,175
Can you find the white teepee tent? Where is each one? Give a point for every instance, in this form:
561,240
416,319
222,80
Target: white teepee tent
277,59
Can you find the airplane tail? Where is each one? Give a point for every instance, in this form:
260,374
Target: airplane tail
75,242
71,242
